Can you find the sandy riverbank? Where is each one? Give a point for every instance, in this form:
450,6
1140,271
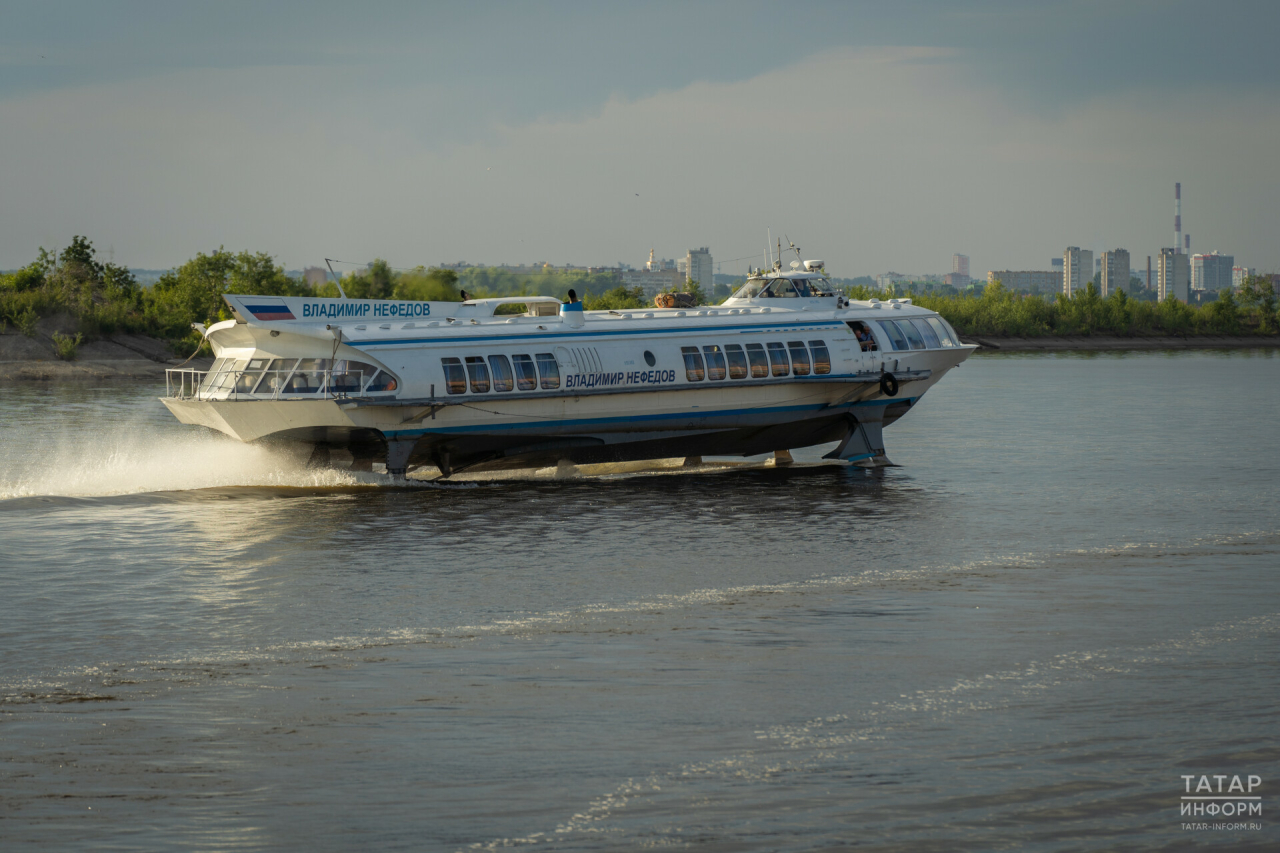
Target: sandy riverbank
129,357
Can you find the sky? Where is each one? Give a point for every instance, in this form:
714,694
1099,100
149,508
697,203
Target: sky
875,136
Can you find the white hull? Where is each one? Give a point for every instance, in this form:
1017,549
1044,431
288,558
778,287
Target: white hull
608,405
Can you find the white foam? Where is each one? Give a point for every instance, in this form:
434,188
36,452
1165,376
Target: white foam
126,460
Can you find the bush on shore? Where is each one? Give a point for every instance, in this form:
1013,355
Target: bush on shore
106,299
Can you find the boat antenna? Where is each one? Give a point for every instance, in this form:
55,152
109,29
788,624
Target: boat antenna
793,246
329,264
769,246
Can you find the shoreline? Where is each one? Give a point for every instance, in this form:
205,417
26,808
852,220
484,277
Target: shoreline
1096,343
139,367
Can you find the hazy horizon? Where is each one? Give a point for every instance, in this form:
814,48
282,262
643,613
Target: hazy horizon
876,139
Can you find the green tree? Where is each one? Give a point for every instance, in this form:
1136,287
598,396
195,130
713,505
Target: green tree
620,298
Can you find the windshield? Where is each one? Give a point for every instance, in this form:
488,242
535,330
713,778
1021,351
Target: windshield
784,287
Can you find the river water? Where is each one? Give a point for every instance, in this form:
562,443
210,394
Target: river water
1066,599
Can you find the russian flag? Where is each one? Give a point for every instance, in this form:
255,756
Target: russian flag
271,312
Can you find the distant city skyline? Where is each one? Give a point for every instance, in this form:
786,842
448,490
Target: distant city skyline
883,138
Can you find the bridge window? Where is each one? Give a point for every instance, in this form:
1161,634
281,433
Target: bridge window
799,358
548,371
737,361
821,357
945,336
715,362
693,370
895,335
526,375
501,369
478,372
759,363
778,359
913,337
455,378
930,339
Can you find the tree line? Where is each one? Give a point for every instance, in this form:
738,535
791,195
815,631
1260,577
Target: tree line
105,299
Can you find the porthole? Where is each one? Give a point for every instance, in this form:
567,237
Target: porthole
649,359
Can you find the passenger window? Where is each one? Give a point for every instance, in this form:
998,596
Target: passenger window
548,371
692,364
759,364
778,359
930,339
478,372
273,379
799,358
455,378
895,335
715,362
913,337
737,361
248,380
383,381
526,375
309,377
349,376
944,336
821,358
501,369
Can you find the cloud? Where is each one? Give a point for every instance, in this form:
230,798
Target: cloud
874,159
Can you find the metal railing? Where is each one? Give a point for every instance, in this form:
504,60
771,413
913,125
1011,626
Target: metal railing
190,384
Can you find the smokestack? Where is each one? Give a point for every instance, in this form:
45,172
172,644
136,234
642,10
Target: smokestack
1186,246
1148,272
1177,218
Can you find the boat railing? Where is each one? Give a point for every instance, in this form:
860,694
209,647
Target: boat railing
194,384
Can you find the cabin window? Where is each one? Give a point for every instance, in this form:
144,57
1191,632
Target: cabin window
349,377
930,339
309,376
273,378
913,337
478,373
778,359
526,374
649,359
737,361
945,336
862,332
455,378
759,363
693,370
248,379
383,381
821,357
548,371
715,362
500,367
799,358
895,335
779,287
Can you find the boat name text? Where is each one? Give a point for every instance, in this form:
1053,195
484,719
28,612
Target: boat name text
627,377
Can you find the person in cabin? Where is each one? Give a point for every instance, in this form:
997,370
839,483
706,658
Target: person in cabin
464,295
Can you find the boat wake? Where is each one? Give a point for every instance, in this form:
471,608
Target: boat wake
127,461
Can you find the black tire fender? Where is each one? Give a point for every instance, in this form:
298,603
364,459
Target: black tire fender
888,385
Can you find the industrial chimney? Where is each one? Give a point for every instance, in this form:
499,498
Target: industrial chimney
1186,245
1177,218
